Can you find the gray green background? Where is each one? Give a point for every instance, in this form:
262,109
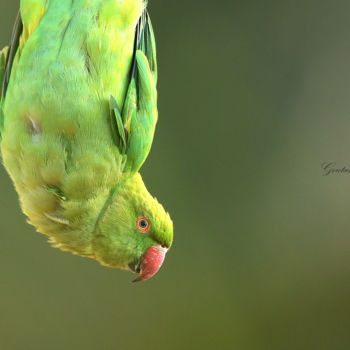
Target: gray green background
253,97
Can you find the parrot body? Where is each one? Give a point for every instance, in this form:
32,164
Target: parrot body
78,114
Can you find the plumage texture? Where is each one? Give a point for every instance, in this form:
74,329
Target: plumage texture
78,118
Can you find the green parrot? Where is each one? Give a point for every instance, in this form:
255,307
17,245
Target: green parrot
78,114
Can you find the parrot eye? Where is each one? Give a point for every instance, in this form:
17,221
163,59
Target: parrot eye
143,224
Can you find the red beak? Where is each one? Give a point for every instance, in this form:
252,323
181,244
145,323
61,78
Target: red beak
151,262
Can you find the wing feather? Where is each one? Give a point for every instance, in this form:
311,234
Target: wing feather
140,107
16,34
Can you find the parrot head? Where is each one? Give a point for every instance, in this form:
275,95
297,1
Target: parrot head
135,231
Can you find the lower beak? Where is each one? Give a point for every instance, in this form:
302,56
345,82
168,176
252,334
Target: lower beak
151,262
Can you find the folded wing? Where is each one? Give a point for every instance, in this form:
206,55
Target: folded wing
134,125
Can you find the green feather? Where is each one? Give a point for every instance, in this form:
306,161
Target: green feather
117,124
140,109
3,60
16,33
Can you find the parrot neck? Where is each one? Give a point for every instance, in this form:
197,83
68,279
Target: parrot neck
114,191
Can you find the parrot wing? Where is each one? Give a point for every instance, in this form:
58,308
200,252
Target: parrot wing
3,59
7,55
135,124
31,12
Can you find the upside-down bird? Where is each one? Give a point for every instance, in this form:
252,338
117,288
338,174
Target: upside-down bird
78,114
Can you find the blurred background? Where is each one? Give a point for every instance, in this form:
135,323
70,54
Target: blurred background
253,97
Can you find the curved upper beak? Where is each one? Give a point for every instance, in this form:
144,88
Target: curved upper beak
150,263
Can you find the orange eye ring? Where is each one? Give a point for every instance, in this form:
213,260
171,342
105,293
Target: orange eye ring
143,224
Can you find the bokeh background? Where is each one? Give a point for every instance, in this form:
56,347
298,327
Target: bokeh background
253,97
